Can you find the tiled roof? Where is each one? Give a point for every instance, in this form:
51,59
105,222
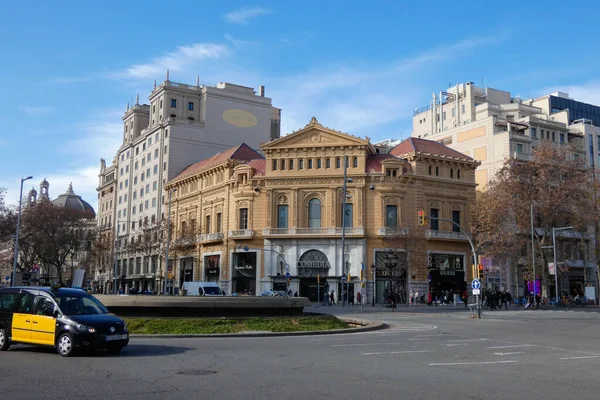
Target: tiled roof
242,152
418,145
373,163
259,166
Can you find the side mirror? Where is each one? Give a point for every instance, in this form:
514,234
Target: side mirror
55,313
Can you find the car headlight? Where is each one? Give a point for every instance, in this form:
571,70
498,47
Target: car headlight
124,327
84,328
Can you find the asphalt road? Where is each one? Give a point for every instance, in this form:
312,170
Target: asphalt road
436,354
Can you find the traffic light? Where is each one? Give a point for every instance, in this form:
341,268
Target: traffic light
480,271
361,275
349,277
421,218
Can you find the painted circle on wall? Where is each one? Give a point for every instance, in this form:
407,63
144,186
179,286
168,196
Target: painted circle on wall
239,118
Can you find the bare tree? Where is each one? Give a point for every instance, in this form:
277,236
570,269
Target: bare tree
54,233
558,187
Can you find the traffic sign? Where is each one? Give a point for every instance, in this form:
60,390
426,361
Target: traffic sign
287,275
475,284
476,292
343,277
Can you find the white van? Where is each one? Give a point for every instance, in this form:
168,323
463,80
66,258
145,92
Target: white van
203,289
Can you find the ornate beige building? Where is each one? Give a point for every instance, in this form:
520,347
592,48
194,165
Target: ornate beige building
247,221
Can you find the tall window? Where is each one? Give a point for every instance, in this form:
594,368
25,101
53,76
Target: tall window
274,165
355,162
300,164
243,218
291,164
319,163
207,224
456,220
314,213
219,222
347,215
337,162
434,225
191,106
309,163
183,228
174,103
391,216
282,216
282,165
328,163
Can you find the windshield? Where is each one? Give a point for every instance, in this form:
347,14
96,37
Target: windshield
212,290
83,304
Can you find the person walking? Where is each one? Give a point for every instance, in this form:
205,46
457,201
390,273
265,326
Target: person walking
465,298
331,298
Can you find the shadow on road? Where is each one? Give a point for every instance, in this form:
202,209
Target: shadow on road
132,350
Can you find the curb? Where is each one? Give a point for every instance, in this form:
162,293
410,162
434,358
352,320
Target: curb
368,326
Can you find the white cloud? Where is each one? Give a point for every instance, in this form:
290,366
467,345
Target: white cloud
65,80
360,99
39,110
176,61
240,43
242,15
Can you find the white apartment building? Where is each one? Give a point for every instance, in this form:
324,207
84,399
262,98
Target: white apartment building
182,124
491,125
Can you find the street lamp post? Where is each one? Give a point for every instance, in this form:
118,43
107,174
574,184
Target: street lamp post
344,194
373,269
16,256
171,191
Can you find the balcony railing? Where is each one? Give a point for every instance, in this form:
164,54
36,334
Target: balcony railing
241,234
313,232
390,232
445,235
210,237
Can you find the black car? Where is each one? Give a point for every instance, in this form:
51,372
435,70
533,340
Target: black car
67,319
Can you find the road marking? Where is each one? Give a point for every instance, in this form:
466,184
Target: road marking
365,344
510,346
419,338
457,344
433,335
509,354
397,352
579,358
466,340
474,363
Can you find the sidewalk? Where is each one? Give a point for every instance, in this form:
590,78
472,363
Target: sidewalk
401,308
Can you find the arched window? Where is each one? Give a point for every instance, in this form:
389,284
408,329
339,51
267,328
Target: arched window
314,213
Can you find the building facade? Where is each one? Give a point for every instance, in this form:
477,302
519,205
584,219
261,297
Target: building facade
281,222
491,125
181,125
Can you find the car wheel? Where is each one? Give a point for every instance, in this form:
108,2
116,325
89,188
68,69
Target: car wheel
65,346
114,349
4,343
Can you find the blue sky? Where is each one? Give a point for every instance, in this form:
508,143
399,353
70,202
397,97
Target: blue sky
69,68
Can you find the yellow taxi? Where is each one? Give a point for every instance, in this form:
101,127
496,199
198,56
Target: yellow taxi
64,318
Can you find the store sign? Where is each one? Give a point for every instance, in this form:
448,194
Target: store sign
396,273
212,271
445,262
314,264
245,267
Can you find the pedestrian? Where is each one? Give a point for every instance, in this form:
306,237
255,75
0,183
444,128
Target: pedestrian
358,298
417,297
331,298
465,298
412,296
537,300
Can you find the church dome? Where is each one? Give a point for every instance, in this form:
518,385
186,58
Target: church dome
74,202
44,183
